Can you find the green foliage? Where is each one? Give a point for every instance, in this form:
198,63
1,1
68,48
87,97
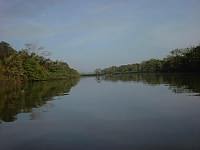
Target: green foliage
180,60
183,60
13,67
5,50
22,65
34,71
152,65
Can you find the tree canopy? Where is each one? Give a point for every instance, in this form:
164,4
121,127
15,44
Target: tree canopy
27,65
179,60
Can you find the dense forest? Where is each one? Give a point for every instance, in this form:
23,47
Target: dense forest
179,60
28,65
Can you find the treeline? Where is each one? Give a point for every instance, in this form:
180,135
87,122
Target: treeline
179,60
27,65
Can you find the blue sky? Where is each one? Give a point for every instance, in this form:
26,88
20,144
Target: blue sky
89,34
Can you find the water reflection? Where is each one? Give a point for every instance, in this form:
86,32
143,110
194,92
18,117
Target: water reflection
18,98
22,97
178,83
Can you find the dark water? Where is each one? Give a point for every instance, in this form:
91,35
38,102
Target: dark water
136,112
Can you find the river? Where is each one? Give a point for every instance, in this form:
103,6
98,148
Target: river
138,111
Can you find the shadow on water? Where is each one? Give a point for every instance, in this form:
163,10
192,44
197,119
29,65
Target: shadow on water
178,83
22,97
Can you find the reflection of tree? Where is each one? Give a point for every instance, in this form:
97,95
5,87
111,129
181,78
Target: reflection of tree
16,98
98,79
178,83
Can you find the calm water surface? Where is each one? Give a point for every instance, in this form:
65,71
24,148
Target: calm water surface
136,112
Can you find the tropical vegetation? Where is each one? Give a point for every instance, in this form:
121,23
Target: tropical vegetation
179,60
26,64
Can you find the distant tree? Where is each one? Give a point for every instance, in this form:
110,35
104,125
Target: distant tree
5,50
179,60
